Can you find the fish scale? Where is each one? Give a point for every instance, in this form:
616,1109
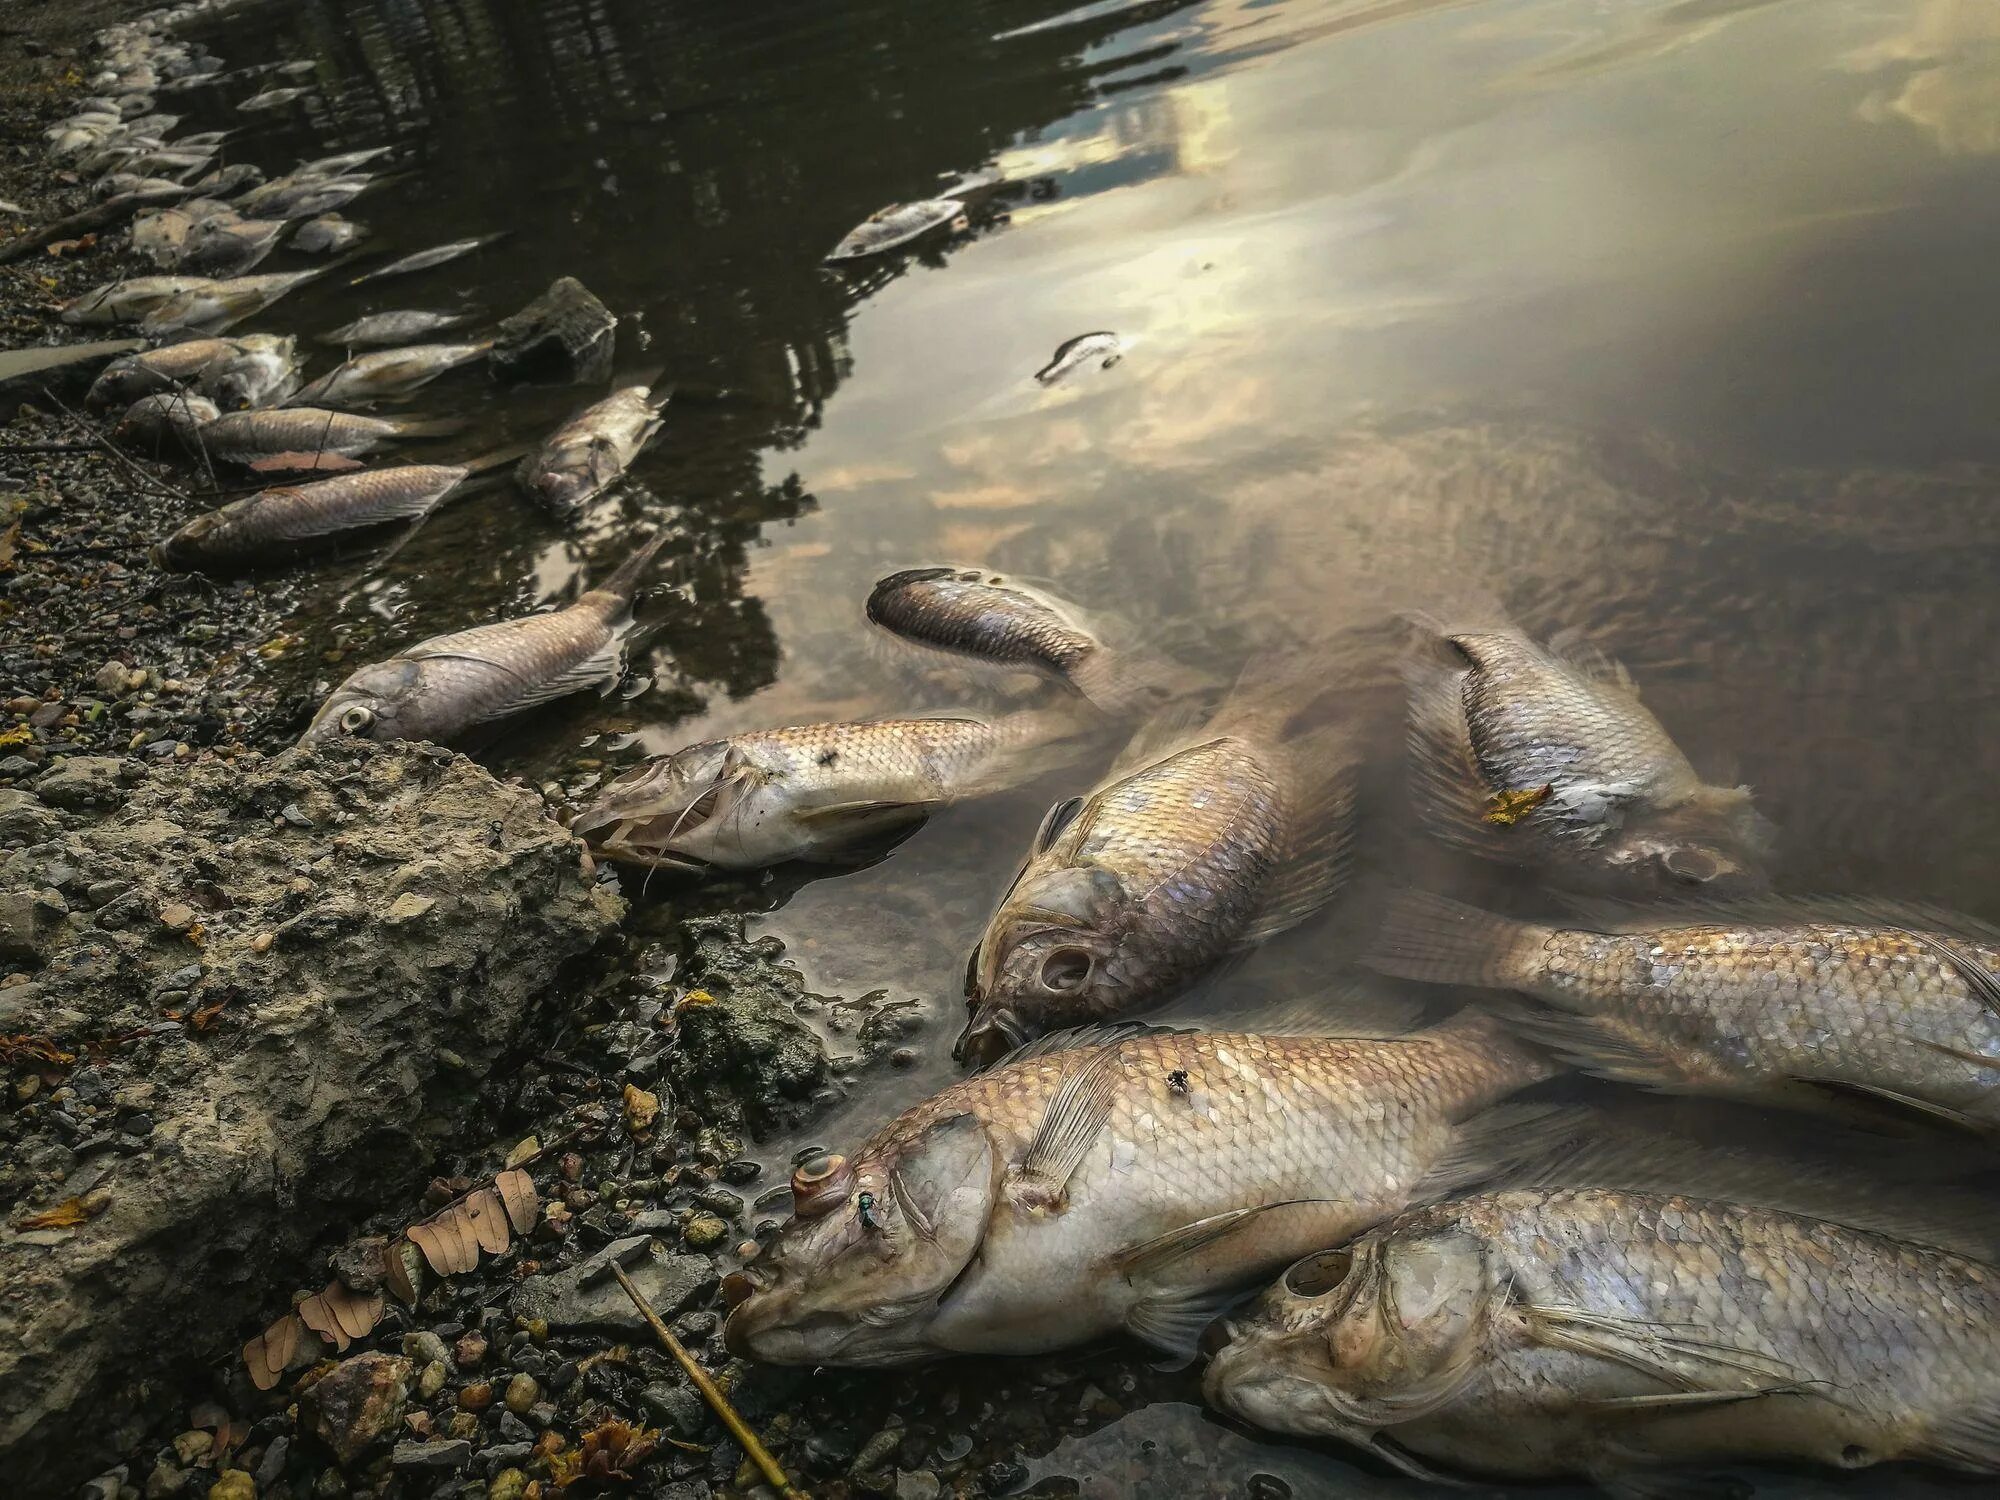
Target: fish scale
1892,1346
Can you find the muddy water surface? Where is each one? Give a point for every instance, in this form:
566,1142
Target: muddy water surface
1667,321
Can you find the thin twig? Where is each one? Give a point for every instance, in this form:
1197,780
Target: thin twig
710,1392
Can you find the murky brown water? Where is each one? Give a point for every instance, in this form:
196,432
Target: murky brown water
1670,321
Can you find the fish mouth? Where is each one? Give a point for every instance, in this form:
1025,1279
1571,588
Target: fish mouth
992,1033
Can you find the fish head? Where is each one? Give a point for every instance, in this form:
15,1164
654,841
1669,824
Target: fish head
122,382
703,807
1714,844
872,1250
1054,955
1352,1340
373,704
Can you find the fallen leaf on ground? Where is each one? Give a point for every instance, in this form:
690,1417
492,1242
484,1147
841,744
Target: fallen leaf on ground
266,1356
60,248
65,1215
288,463
340,1315
1509,807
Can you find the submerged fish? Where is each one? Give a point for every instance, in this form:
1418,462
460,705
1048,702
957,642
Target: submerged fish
1102,349
226,180
994,618
246,436
228,246
448,684
398,327
167,368
218,305
1544,755
388,373
423,260
1772,1003
129,300
589,453
1610,1335
289,519
896,225
294,197
810,791
263,372
272,98
1117,1184
340,164
327,234
169,417
1130,894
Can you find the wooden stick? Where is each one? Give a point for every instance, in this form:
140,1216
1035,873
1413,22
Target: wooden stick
718,1403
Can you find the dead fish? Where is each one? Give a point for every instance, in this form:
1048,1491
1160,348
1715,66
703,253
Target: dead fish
811,791
272,99
1544,756
590,452
226,180
263,372
423,260
219,305
895,226
302,198
1776,1001
167,368
388,373
297,69
118,183
398,327
228,246
1179,859
128,301
1101,349
993,618
286,520
327,234
245,436
446,685
167,418
1095,1185
159,233
1614,1335
339,164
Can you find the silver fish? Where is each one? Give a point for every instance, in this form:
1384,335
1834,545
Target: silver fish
272,99
167,368
229,246
246,436
811,791
1101,349
589,453
398,327
1093,1185
1543,755
287,520
451,683
423,260
895,226
327,234
221,305
293,197
170,418
226,180
129,300
388,373
159,233
263,372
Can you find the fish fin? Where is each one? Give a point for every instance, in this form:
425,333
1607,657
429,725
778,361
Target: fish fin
1958,1119
624,582
1320,853
1462,608
1441,941
1179,1249
1173,1320
1965,1437
579,676
1676,1355
1598,1045
430,427
1120,682
1450,791
862,817
1575,650
1675,1401
1074,1119
1080,1038
498,458
1501,1144
1171,729
1406,1463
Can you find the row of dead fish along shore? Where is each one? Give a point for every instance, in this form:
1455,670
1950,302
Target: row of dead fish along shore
1479,1284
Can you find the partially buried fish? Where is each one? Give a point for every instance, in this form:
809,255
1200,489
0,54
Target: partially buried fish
150,371
1616,1336
995,619
423,260
166,418
1187,855
246,436
895,226
272,99
1774,1002
1122,1184
1543,755
287,520
448,684
398,327
388,373
812,791
590,452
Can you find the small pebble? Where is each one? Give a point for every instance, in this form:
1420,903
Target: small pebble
477,1396
705,1230
522,1393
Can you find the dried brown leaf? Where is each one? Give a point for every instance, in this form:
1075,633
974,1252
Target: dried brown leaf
294,463
316,1312
358,1315
447,1243
517,1191
399,1276
265,1357
487,1218
65,1215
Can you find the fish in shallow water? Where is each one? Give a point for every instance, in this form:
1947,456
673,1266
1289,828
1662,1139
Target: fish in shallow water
812,791
1615,1336
290,519
1236,833
226,180
228,246
388,373
398,327
1543,755
448,684
246,436
296,197
423,260
167,368
991,617
129,300
1101,349
166,419
263,371
272,99
894,226
159,233
219,305
327,234
1773,1002
589,453
1123,1183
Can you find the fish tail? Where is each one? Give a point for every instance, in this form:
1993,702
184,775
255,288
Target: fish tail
1462,608
432,427
1511,1061
497,458
1440,941
1119,682
624,583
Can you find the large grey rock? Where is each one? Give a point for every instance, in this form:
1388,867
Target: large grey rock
303,1086
588,1295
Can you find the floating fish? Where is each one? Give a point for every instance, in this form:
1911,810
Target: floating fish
219,305
895,226
399,327
388,373
229,246
327,234
1101,349
272,99
423,260
244,436
591,452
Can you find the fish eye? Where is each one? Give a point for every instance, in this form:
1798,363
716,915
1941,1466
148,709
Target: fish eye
356,718
1065,970
818,1183
1319,1274
1692,865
